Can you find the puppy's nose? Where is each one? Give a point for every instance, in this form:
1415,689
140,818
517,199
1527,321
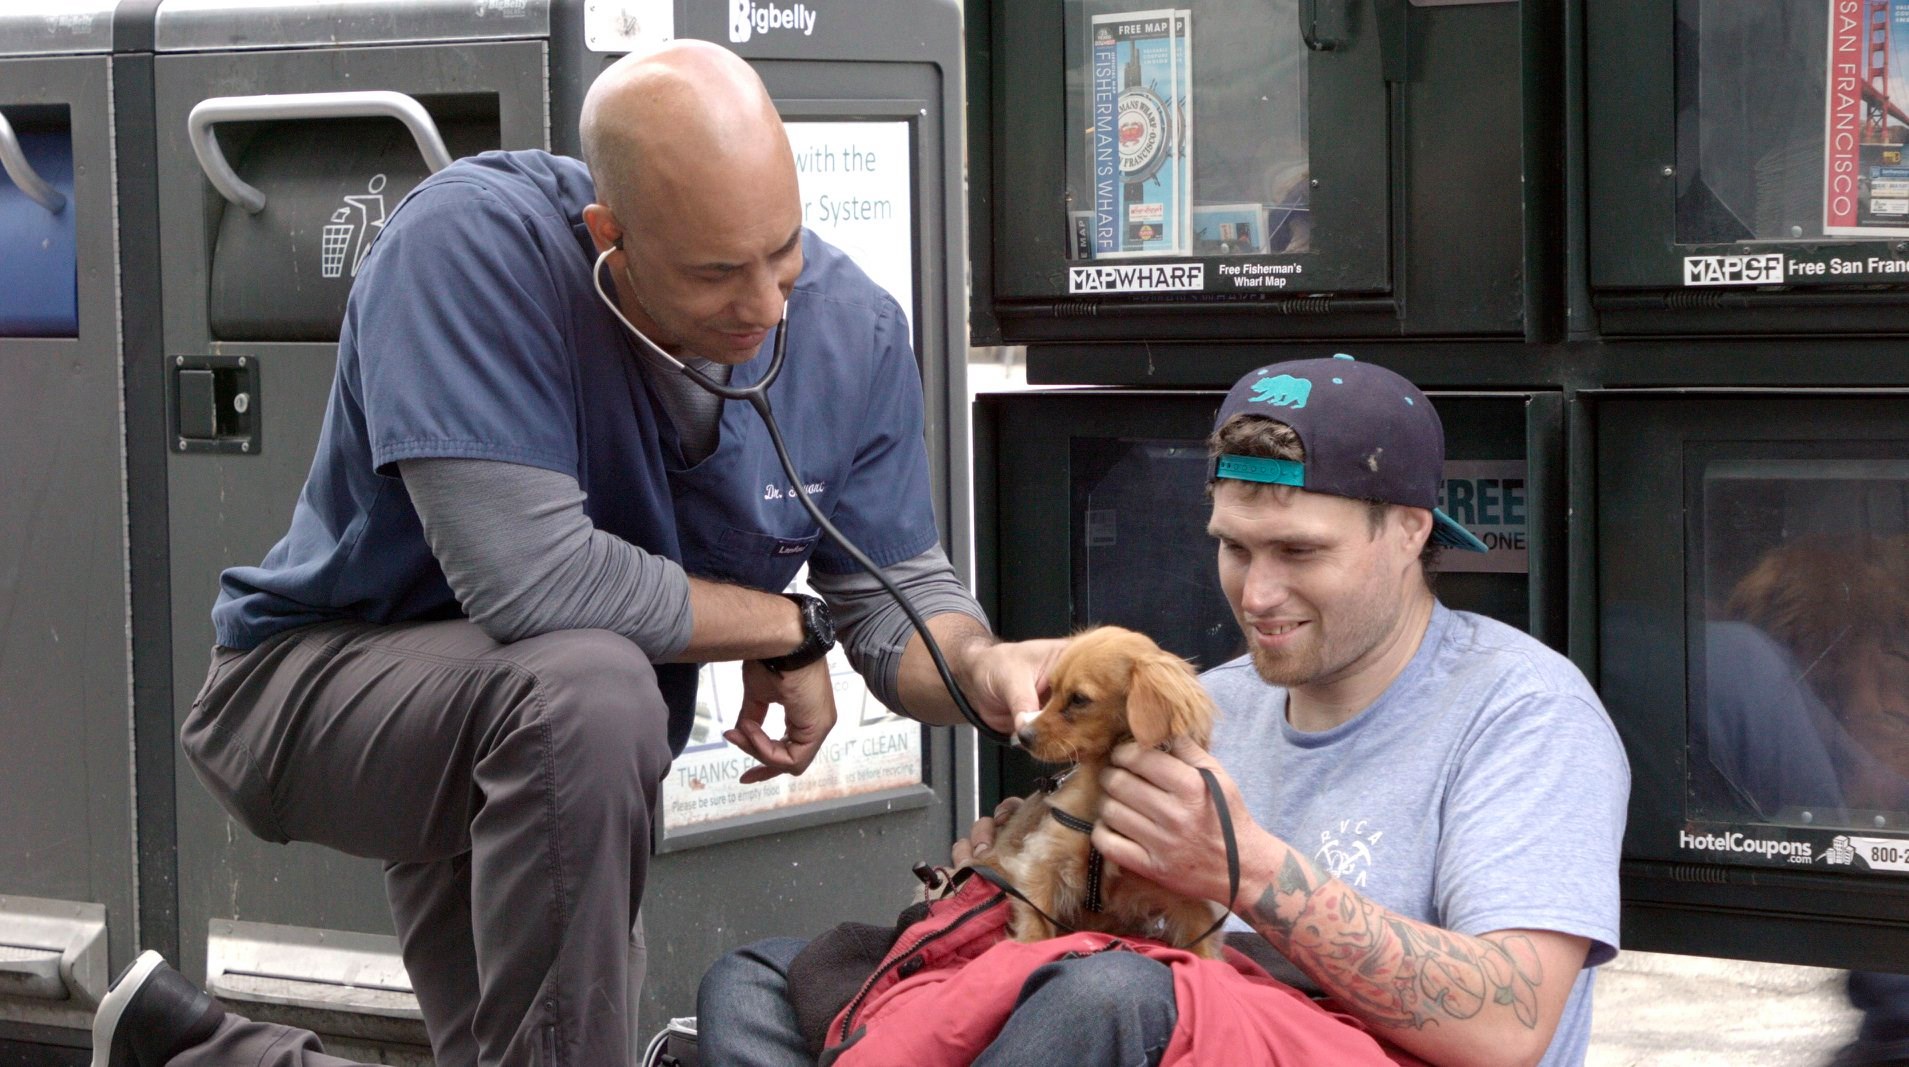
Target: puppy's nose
1024,737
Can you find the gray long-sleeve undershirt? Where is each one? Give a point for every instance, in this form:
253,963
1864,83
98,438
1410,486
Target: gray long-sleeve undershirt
523,559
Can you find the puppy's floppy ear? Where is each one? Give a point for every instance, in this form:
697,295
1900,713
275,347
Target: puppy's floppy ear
1165,700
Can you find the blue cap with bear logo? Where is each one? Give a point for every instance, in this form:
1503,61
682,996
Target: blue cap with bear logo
1368,434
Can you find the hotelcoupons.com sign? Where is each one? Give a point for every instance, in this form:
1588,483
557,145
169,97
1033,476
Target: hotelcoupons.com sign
747,18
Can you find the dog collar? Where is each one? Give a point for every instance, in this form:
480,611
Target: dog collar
1072,822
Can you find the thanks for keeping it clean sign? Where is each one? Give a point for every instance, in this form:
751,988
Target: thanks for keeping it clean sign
1487,497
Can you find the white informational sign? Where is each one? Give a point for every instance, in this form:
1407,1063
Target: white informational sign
857,181
1486,497
870,749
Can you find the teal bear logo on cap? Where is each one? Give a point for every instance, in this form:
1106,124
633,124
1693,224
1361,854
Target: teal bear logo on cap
1284,391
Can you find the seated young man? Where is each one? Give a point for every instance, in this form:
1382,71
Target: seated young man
1429,804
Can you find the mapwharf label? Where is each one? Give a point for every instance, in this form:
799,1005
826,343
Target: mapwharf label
1137,278
1766,269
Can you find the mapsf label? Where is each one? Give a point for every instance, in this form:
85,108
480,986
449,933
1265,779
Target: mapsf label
1765,269
1139,278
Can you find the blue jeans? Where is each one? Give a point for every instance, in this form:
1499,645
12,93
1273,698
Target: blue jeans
1114,1008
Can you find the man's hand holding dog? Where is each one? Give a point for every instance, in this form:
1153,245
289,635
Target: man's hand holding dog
808,714
979,843
1158,822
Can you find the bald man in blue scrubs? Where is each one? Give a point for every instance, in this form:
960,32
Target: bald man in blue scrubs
474,653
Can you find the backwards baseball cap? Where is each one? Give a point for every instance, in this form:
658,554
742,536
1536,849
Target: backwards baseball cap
1368,433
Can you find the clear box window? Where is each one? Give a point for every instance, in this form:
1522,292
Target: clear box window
1142,557
1188,130
1800,667
1791,120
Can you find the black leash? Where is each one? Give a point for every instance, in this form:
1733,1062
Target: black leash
1232,851
1096,863
1074,822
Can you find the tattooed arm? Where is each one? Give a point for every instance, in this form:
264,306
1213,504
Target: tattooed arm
1446,997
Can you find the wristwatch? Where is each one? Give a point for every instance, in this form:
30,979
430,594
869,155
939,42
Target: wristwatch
818,635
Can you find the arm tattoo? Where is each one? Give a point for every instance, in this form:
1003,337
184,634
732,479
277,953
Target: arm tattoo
1396,972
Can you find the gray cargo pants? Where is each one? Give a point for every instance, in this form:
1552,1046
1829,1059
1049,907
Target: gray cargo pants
509,790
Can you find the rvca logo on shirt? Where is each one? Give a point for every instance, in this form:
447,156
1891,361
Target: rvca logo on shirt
1345,850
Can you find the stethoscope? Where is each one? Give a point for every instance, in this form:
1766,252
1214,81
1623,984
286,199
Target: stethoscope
757,397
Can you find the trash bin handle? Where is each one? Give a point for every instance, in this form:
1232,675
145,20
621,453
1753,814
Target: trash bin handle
14,162
366,104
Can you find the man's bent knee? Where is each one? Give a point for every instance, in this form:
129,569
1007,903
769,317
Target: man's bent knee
599,698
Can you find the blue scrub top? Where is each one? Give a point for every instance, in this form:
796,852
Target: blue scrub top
473,332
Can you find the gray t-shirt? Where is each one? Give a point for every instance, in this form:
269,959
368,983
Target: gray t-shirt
1485,790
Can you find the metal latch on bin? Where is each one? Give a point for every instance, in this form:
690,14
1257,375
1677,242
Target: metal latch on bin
332,971
1325,25
52,950
215,404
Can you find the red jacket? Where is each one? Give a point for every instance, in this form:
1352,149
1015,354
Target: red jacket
926,1006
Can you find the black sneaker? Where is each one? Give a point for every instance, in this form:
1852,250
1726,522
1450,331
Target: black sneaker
152,1014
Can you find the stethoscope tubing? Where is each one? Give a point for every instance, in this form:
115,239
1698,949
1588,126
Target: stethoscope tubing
757,397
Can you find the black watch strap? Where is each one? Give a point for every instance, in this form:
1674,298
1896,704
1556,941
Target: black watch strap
818,635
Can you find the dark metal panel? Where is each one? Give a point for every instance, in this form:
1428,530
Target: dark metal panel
573,66
228,509
145,437
1489,364
1581,544
984,117
1630,112
1547,517
1462,241
1547,132
65,676
245,24
1692,928
1579,321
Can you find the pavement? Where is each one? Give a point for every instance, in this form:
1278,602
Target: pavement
1655,1010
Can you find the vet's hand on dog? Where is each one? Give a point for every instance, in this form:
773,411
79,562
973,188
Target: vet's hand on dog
1007,678
1158,821
807,698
